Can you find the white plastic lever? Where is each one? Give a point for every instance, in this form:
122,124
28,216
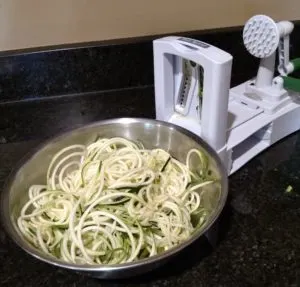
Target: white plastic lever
285,67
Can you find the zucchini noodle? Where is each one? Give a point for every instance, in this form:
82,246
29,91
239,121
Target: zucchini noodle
113,201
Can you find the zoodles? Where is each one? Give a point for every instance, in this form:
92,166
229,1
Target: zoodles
113,201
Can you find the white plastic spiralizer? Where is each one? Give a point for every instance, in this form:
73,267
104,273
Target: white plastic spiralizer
192,90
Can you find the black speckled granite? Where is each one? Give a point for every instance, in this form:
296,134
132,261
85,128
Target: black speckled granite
38,118
105,67
80,70
259,240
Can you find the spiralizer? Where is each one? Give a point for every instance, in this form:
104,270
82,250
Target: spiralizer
192,90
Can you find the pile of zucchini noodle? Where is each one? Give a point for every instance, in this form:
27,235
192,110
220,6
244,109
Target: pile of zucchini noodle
113,201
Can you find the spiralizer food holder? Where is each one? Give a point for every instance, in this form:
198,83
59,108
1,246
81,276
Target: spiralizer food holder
192,90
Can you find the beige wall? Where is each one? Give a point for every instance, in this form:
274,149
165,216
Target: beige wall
33,23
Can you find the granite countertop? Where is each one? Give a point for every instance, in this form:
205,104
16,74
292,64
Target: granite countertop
259,235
